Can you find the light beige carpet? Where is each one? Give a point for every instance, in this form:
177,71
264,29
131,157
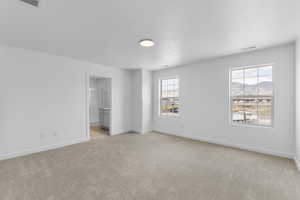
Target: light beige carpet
150,167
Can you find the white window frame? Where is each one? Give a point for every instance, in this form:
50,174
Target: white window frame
159,97
230,97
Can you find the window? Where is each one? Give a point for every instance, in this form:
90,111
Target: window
252,95
169,97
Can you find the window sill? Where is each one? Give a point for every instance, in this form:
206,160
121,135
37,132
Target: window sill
169,116
250,126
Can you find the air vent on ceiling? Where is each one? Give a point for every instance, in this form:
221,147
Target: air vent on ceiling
32,2
249,48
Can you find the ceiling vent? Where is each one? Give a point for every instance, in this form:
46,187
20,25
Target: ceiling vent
32,2
249,48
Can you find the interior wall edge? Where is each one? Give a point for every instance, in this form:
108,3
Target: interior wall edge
297,104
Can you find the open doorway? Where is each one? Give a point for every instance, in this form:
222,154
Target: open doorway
99,107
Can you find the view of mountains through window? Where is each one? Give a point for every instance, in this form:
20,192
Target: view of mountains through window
252,95
169,97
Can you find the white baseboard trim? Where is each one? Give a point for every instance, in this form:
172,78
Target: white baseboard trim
42,148
237,146
297,163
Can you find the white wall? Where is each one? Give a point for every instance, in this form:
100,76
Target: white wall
43,103
142,100
137,101
297,157
204,111
147,100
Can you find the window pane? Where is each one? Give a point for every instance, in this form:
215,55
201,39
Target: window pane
169,97
172,81
252,95
164,87
175,93
251,86
238,117
251,115
174,105
169,105
237,111
164,94
172,93
265,85
265,114
265,71
164,105
176,82
244,110
237,74
251,72
237,87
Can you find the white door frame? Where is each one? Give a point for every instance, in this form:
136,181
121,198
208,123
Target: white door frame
87,99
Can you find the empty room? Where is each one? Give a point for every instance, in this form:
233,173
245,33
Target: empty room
149,100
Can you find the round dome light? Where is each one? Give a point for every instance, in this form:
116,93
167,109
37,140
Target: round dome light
146,43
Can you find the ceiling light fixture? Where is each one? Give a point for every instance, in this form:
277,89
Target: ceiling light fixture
146,43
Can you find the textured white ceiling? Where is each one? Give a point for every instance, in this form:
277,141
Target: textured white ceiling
107,31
